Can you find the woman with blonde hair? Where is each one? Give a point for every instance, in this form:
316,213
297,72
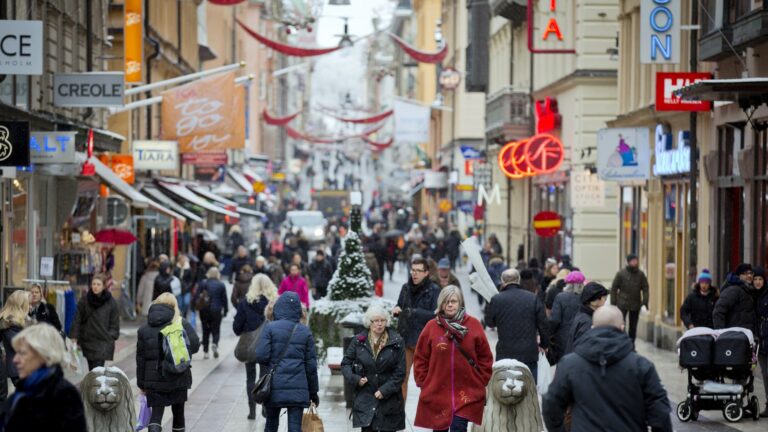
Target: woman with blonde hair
13,319
250,315
97,324
163,389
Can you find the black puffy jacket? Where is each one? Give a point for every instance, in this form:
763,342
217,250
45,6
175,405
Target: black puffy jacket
149,353
418,303
385,374
582,322
608,386
163,281
564,311
736,306
697,309
519,316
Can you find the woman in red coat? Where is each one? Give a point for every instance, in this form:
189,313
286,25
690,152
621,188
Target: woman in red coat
452,365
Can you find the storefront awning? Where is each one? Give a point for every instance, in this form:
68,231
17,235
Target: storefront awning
159,196
165,210
186,194
119,185
745,91
251,174
213,197
240,180
249,212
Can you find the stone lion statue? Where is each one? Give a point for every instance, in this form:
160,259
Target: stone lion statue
108,400
512,402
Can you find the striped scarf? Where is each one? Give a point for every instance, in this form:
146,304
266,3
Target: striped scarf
452,326
378,344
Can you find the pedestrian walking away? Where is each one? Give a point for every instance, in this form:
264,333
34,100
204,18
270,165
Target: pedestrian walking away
97,324
629,292
606,384
593,297
250,315
566,307
452,365
374,363
294,384
213,310
697,309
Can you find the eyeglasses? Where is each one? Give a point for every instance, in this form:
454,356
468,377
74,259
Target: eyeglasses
379,321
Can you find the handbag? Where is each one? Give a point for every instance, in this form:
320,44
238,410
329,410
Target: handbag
310,421
263,389
466,355
245,350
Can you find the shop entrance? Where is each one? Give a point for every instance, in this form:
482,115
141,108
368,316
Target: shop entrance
730,230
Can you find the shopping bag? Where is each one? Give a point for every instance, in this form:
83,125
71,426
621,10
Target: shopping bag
145,413
74,360
545,374
311,422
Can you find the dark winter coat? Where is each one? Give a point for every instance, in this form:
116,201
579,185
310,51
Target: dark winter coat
8,331
495,269
565,309
45,313
295,377
582,322
149,353
239,262
519,318
249,316
418,304
320,274
218,294
697,309
736,306
385,374
608,386
186,277
552,293
52,405
762,319
96,326
629,290
452,244
240,288
163,281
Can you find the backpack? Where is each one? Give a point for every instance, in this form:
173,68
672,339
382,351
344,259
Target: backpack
203,300
176,358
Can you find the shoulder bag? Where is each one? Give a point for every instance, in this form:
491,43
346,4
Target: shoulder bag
263,389
245,350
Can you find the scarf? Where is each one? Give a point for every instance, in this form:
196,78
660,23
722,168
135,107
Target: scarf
29,385
453,328
97,301
378,344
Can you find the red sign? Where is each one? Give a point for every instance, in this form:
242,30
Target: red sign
540,154
666,85
547,223
548,117
208,159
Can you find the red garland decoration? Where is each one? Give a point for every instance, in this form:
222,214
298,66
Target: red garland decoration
225,2
293,133
288,50
278,121
421,56
375,119
379,146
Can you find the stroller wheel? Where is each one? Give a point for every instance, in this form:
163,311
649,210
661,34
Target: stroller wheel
754,408
684,411
733,412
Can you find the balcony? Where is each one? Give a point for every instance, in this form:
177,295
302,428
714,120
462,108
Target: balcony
714,45
750,29
507,115
513,10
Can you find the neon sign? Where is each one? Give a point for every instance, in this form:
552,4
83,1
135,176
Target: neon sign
540,154
548,116
552,32
660,31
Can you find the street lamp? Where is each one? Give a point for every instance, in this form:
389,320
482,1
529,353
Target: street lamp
346,39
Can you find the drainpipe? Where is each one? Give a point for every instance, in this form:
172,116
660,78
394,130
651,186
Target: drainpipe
88,46
156,54
178,34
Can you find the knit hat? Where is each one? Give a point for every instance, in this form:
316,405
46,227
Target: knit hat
443,264
526,274
631,257
593,291
705,275
759,271
742,268
575,277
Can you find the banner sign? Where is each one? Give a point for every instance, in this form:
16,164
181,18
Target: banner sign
21,47
52,147
89,89
660,31
133,40
623,154
14,143
587,190
411,122
669,82
156,155
210,159
669,160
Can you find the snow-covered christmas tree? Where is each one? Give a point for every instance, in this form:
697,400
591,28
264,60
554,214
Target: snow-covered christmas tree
352,278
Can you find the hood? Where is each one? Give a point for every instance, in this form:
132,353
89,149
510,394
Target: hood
288,307
164,268
603,346
159,315
734,279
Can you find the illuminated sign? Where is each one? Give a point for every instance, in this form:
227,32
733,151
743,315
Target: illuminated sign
547,27
669,82
660,31
540,154
671,161
548,116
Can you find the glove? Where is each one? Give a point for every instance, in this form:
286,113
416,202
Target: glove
315,399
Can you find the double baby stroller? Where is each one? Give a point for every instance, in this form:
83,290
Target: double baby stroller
719,365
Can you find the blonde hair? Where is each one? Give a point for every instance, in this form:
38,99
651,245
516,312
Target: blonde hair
43,339
446,293
16,308
213,273
261,286
373,312
169,299
210,258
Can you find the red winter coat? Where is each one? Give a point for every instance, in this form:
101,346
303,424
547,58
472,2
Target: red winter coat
449,385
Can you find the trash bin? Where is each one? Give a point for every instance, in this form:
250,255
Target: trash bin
352,325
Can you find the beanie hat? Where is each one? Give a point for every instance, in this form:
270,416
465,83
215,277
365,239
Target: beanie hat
631,257
742,268
575,277
705,275
759,271
526,274
444,263
593,291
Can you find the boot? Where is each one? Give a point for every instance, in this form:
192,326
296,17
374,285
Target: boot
251,410
215,351
154,427
764,414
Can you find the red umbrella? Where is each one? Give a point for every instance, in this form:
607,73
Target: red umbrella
115,236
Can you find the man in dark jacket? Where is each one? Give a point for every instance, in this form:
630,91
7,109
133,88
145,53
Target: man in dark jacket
415,307
240,260
608,386
519,317
736,307
320,274
629,292
163,280
593,297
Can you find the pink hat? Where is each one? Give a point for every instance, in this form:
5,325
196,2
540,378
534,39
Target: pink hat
575,277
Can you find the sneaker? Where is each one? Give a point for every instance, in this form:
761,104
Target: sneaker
215,351
205,356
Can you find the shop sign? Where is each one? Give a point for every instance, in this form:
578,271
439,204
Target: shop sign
450,78
133,40
540,154
52,147
435,180
90,89
547,224
157,155
548,116
660,31
623,154
549,27
469,152
122,165
21,47
210,159
46,267
445,205
14,143
671,161
411,122
667,83
587,190
484,197
210,173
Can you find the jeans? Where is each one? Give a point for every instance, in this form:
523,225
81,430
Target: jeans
211,325
93,364
250,379
458,424
184,300
534,367
294,419
178,415
632,326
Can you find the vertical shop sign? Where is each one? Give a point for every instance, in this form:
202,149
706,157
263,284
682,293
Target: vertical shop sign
660,31
549,27
133,40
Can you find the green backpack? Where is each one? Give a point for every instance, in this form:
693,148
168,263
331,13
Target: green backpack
176,358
